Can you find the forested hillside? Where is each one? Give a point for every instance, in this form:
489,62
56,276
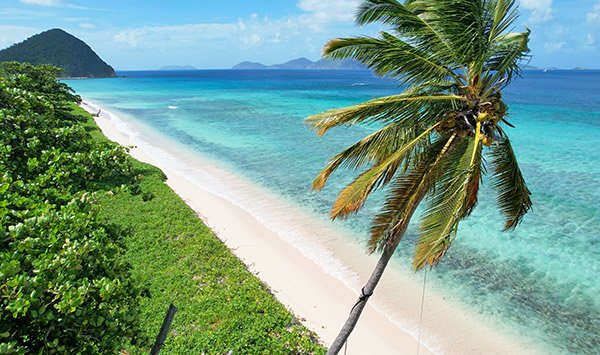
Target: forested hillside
60,49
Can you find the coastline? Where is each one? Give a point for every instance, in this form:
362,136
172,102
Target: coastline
311,269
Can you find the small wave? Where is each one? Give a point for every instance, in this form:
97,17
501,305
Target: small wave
173,107
359,84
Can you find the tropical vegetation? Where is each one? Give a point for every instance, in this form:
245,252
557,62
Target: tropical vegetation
222,307
61,49
454,58
63,286
94,246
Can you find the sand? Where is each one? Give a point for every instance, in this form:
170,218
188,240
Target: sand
310,266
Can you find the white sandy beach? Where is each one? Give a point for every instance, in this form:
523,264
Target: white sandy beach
309,265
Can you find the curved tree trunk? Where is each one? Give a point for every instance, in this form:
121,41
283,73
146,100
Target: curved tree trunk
367,291
428,171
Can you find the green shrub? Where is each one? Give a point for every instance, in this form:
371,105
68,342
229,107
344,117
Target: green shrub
65,281
62,284
64,287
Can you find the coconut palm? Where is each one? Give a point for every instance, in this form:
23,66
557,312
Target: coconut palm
453,57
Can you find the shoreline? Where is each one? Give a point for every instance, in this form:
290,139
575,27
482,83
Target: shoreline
313,270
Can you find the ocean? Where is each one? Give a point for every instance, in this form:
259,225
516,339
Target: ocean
541,281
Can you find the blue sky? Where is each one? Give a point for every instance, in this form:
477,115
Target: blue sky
134,34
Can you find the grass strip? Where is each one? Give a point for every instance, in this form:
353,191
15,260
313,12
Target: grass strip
222,307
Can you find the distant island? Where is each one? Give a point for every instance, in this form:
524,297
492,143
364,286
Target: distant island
178,67
531,67
304,63
62,50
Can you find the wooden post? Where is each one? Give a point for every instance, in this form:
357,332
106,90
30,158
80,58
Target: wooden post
164,330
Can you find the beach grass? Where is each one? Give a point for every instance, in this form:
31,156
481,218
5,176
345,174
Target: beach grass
222,307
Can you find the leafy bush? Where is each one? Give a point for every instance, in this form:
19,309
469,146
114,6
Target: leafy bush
63,286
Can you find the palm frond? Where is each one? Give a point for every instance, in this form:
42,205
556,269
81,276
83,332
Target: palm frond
446,206
391,56
460,22
513,195
474,181
354,195
455,57
407,24
508,51
373,148
408,108
389,12
505,13
406,193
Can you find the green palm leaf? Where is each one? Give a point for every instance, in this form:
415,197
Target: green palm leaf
389,55
407,24
354,195
513,195
508,51
408,108
473,184
505,14
446,205
455,57
373,148
460,22
406,193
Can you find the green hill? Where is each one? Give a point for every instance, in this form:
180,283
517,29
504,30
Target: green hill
60,49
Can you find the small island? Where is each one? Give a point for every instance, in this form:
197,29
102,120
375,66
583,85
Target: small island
178,67
306,64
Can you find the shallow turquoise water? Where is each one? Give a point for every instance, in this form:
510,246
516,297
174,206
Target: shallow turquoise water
542,279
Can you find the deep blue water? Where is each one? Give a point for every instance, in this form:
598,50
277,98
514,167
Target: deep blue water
542,279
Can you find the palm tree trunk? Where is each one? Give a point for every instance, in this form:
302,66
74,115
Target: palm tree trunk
367,291
428,172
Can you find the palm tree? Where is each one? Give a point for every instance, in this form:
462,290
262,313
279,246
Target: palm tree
454,57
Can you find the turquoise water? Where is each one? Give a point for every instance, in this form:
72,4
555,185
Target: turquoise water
542,279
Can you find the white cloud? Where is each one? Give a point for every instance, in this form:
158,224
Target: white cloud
49,3
541,10
255,37
253,31
77,19
594,15
554,46
22,14
253,40
55,3
590,40
87,25
157,36
327,11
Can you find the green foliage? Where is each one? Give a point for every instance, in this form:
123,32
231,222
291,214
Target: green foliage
221,306
64,287
82,224
514,200
58,48
39,79
454,57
